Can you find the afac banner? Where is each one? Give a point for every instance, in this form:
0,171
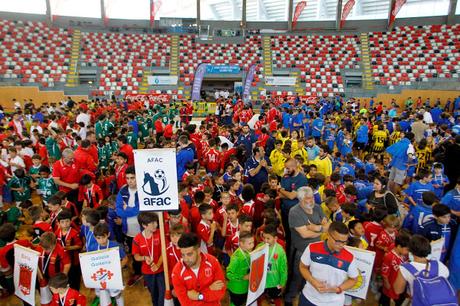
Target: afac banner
102,269
258,274
156,178
25,273
364,262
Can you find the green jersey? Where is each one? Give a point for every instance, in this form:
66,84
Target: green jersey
102,154
144,128
277,267
236,271
24,183
11,215
34,170
53,148
46,187
132,139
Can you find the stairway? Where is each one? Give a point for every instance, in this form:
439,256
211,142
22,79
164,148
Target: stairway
144,88
72,76
267,55
174,60
298,85
368,83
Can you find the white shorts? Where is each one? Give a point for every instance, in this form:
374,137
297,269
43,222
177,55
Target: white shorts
396,175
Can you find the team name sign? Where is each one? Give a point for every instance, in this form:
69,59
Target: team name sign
156,178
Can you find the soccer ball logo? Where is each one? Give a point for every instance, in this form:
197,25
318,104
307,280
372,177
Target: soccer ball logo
155,185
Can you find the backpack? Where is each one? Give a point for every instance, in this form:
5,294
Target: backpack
429,288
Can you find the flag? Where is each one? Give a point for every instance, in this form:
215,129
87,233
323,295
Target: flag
25,273
298,11
154,8
198,79
257,274
346,11
248,82
398,4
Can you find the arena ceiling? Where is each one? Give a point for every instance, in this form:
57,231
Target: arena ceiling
256,10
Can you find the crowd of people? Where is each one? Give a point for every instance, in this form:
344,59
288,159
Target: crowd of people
308,180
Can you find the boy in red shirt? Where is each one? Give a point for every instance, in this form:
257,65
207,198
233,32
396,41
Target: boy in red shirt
386,239
195,216
121,160
372,229
147,249
206,228
244,225
208,192
248,194
70,240
212,158
62,294
53,260
173,254
37,215
8,235
390,269
92,193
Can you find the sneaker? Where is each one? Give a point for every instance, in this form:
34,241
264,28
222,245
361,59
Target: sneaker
133,280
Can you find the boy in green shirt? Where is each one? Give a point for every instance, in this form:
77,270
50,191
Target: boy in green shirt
46,186
20,186
238,270
132,137
277,265
36,164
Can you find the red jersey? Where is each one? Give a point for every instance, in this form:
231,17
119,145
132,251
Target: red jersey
40,227
225,157
94,153
273,126
84,160
203,230
233,242
273,115
219,215
168,132
195,217
386,241
71,298
93,196
372,231
212,160
128,150
168,225
184,279
43,152
120,174
53,263
390,268
66,173
7,253
248,208
148,247
174,255
72,207
71,238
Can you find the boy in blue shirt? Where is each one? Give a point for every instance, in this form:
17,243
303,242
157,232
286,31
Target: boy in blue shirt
362,136
415,190
317,128
440,180
420,213
442,226
101,234
452,199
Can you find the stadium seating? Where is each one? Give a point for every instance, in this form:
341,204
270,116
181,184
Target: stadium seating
320,59
413,54
192,54
123,57
34,52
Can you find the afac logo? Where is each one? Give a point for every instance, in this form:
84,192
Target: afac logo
155,185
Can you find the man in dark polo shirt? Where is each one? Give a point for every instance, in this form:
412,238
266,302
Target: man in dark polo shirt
306,223
291,181
257,168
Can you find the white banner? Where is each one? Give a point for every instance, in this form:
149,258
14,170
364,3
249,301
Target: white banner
102,269
25,273
280,81
156,177
364,262
436,249
257,274
162,79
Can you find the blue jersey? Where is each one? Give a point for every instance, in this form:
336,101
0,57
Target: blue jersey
432,230
317,127
346,146
454,263
347,169
362,134
439,180
90,240
416,217
286,117
364,189
416,189
339,140
452,199
368,167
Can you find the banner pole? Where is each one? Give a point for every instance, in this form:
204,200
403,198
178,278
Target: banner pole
164,255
